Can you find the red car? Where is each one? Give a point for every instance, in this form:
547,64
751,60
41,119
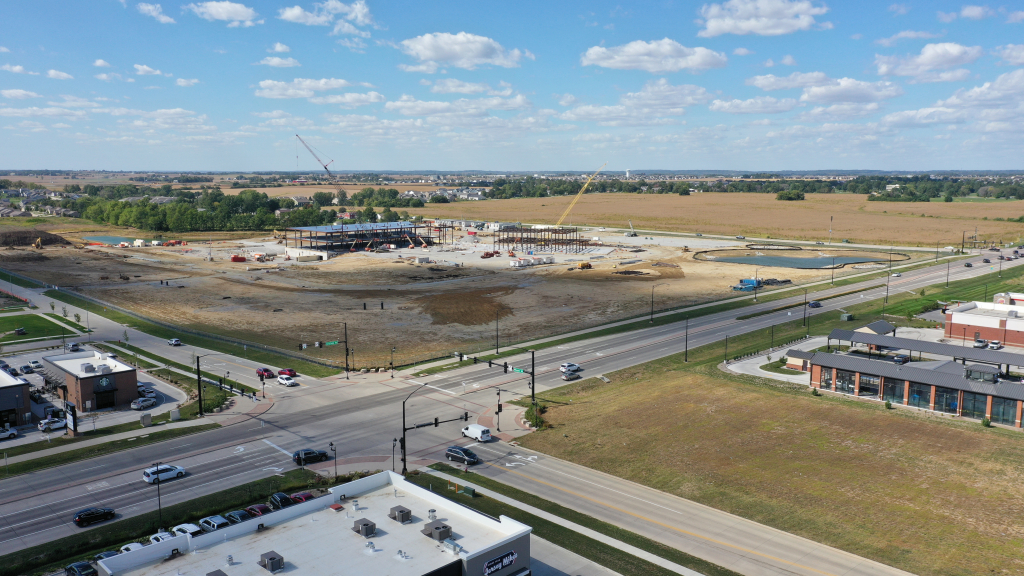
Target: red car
287,372
265,372
302,496
258,510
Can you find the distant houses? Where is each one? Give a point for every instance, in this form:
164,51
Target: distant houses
452,195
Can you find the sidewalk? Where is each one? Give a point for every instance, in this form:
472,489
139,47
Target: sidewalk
752,366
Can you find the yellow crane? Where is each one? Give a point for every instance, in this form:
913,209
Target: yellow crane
578,195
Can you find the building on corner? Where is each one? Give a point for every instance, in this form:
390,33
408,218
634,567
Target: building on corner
94,380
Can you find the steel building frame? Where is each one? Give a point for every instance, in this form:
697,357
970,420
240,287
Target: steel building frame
520,239
352,237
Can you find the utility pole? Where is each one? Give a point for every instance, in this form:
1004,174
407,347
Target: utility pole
497,414
533,377
345,324
159,506
686,341
726,355
805,307
947,274
199,386
833,270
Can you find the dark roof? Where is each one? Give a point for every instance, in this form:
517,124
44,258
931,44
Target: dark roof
956,381
342,228
880,327
953,351
799,354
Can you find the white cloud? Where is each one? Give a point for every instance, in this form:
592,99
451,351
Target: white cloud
656,57
794,80
278,62
758,105
899,9
1012,54
409,106
462,50
946,17
933,57
235,14
566,100
836,112
657,103
850,90
186,82
976,12
100,63
108,76
1012,18
279,48
762,17
345,17
272,114
16,69
788,60
349,100
74,102
905,34
769,63
155,11
353,44
4,49
34,112
58,75
143,70
299,87
742,52
453,86
61,125
18,94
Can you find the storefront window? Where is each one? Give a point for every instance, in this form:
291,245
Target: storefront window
869,385
892,390
826,378
844,381
946,400
1004,411
920,395
974,405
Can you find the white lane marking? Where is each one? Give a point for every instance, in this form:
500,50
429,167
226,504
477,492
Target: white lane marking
239,449
274,469
429,386
282,450
97,486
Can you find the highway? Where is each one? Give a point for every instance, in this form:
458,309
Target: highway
360,419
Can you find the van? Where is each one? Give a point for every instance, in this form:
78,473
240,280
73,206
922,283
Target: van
477,432
72,347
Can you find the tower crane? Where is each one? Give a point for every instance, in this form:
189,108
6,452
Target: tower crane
578,195
337,187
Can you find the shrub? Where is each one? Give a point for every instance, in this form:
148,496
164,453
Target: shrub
814,392
888,405
534,415
986,422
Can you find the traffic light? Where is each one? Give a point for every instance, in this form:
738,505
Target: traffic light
465,416
318,344
401,443
490,364
499,409
475,360
262,376
461,356
506,367
435,422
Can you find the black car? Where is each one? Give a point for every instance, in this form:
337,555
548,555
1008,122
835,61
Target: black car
80,569
105,555
814,304
986,261
91,515
237,517
460,454
968,265
306,455
281,500
12,370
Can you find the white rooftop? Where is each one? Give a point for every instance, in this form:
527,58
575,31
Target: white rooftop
989,309
318,540
72,363
6,380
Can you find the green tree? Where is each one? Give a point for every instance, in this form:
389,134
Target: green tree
370,215
438,199
323,198
790,195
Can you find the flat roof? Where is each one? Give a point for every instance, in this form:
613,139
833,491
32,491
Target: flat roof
8,381
318,540
343,228
72,363
951,350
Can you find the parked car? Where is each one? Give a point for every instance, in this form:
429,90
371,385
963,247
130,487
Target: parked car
698,234
477,432
281,500
11,370
72,347
979,343
307,455
820,243
896,274
286,381
968,265
161,473
213,523
986,261
35,364
569,367
161,537
460,454
187,529
258,510
287,372
901,359
174,342
9,433
147,393
26,369
264,372
814,304
301,496
93,515
80,569
995,345
105,555
741,237
567,376
130,547
52,424
237,517
143,403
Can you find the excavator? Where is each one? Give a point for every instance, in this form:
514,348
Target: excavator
38,244
632,232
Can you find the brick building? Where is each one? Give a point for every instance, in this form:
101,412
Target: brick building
94,380
971,321
15,409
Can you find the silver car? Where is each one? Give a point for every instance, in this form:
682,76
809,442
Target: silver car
143,403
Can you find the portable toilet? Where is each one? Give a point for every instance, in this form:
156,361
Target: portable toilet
139,243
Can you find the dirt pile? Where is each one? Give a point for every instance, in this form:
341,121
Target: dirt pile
28,237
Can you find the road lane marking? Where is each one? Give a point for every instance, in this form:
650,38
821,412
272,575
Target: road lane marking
282,450
434,387
97,486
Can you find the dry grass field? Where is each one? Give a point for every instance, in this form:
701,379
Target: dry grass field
901,223
928,496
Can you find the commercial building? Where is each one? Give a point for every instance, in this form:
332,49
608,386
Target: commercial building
971,321
15,409
94,380
378,525
329,241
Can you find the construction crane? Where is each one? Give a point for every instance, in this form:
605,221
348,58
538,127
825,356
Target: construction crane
578,195
632,232
308,147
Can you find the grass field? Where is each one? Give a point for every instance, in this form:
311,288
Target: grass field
35,326
856,219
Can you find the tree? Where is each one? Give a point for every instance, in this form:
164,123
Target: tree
78,318
342,196
64,311
438,199
370,214
790,195
416,203
53,307
323,198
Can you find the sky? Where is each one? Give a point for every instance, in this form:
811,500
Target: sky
511,86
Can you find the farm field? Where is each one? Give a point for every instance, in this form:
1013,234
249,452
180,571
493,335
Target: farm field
926,495
758,215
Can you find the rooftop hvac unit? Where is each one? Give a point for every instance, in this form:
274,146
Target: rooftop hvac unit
364,528
1011,314
437,530
401,514
272,561
87,367
104,369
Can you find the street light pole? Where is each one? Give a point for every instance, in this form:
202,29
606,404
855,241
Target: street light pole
496,312
947,274
345,324
405,468
159,506
335,450
199,386
497,414
394,441
805,307
392,361
686,341
833,270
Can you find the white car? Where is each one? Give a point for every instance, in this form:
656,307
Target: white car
161,473
285,380
896,274
130,547
147,393
9,433
35,365
161,537
995,345
52,424
569,367
143,403
174,342
190,529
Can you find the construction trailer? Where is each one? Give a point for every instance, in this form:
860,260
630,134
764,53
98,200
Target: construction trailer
519,239
342,238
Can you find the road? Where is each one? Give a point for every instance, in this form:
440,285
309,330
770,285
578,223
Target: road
360,418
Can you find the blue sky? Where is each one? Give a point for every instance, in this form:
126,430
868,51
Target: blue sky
545,86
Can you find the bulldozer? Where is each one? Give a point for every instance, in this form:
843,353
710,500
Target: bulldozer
584,266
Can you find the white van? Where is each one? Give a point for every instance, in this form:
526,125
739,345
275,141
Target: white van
477,432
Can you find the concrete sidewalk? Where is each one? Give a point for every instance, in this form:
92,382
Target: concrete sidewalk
752,366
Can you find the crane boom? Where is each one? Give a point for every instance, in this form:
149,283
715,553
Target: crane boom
315,156
578,195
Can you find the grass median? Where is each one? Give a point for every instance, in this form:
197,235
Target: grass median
191,369
67,321
604,554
